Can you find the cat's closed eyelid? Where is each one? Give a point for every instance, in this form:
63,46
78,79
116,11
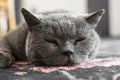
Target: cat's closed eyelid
51,41
79,40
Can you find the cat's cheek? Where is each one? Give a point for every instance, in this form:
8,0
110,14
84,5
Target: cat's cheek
53,47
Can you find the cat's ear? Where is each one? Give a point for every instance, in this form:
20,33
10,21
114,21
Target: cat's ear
30,18
95,17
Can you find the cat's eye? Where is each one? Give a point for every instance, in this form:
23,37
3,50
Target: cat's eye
79,40
51,41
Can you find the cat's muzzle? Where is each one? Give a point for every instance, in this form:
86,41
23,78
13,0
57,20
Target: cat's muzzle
68,55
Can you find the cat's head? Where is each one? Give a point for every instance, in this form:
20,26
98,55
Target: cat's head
61,37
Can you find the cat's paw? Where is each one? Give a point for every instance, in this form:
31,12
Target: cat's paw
5,60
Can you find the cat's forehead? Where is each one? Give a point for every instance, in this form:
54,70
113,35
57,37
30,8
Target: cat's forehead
66,19
65,26
62,18
57,14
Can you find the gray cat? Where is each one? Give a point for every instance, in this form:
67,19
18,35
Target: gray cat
52,38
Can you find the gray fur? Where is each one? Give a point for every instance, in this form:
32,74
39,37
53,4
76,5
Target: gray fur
52,38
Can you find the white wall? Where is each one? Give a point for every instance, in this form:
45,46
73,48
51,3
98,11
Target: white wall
114,7
43,5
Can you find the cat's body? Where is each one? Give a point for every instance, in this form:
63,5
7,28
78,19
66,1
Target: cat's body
53,38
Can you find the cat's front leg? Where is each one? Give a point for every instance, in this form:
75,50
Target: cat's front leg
6,57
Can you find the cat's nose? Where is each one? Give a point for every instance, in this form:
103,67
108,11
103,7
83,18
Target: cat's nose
67,53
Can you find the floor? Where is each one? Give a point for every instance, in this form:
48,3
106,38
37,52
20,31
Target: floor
109,48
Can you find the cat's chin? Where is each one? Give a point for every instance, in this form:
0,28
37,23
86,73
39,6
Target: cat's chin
56,64
61,63
58,61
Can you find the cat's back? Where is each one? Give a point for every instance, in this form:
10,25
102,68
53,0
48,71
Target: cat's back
57,14
17,40
52,12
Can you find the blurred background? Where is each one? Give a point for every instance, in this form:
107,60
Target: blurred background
10,15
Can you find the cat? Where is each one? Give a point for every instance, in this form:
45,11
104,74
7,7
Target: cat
52,38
